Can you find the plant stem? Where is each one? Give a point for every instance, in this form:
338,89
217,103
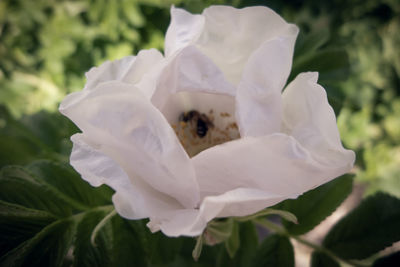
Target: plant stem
282,231
100,225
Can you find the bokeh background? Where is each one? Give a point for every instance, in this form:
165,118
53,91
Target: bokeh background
46,46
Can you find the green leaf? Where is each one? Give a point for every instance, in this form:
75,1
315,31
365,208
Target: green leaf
40,209
218,231
276,251
42,135
128,242
248,237
315,205
248,244
18,144
118,242
369,228
282,213
52,129
332,65
319,259
160,249
47,248
20,187
198,248
233,242
307,44
65,179
18,224
85,254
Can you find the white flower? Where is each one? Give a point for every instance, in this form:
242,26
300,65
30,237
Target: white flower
245,145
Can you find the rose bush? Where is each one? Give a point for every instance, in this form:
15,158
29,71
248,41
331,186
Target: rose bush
204,131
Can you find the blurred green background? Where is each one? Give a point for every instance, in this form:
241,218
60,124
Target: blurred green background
46,46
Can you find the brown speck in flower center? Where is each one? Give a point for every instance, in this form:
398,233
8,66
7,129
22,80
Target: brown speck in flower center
201,121
198,131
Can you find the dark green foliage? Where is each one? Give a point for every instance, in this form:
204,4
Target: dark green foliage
18,223
42,135
86,253
313,53
314,206
47,211
369,228
391,260
332,64
47,248
18,186
233,242
319,259
248,245
116,244
62,176
275,250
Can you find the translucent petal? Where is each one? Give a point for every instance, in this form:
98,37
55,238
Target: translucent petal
137,136
226,35
277,164
183,30
131,69
190,71
238,202
309,118
132,199
244,176
258,99
231,36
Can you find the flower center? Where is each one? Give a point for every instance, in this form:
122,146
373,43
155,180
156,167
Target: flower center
198,131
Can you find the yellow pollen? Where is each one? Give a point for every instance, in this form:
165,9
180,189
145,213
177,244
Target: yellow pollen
211,131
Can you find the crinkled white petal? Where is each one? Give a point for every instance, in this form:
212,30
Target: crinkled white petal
237,202
244,176
192,81
275,163
130,69
230,36
136,135
309,118
132,200
190,71
259,107
183,30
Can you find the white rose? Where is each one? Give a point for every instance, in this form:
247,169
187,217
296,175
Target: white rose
244,146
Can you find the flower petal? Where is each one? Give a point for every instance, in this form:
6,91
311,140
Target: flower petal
309,118
131,69
259,107
192,81
252,26
131,201
238,202
183,30
277,164
135,135
212,32
190,71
